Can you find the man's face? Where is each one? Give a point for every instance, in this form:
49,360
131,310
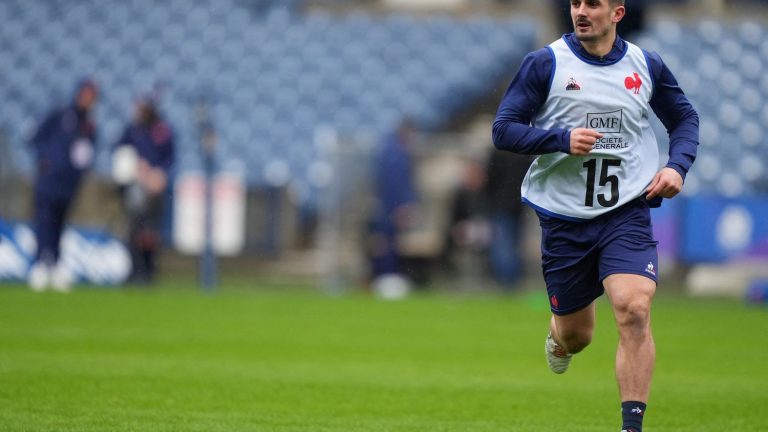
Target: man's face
594,19
87,97
142,112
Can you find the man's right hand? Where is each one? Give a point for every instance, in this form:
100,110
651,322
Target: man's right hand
583,140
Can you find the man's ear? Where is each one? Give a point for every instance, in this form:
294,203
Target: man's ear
618,14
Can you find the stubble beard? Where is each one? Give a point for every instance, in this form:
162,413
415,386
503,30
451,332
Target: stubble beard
594,37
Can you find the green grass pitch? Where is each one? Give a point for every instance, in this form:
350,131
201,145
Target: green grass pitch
293,359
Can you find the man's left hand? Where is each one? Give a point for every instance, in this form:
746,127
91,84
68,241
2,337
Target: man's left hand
667,183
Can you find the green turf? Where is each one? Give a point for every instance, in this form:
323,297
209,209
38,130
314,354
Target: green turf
296,360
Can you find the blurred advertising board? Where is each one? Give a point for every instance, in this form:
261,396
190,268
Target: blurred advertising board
666,227
718,229
91,256
228,214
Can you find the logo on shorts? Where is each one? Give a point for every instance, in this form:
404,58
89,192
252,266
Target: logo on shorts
554,301
650,268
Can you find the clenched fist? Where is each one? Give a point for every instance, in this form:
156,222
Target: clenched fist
667,183
582,140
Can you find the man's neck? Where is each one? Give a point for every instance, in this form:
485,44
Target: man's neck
600,48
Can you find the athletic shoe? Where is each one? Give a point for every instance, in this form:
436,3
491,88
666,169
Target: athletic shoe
39,277
557,359
61,279
391,287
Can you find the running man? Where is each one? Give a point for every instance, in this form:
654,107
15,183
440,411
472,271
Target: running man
582,105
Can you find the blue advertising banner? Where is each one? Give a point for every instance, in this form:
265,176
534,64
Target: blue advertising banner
717,229
666,228
91,256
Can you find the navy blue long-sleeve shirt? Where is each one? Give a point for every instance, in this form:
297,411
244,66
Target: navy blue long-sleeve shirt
394,176
59,170
529,90
393,182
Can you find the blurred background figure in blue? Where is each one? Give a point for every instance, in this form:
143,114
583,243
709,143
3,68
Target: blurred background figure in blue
63,147
468,234
505,172
142,161
394,211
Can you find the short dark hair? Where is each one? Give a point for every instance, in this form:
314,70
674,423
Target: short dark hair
617,2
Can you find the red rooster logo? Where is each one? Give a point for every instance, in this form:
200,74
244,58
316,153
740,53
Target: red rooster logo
633,83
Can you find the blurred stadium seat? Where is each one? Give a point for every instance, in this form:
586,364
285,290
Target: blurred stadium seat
722,68
272,75
275,75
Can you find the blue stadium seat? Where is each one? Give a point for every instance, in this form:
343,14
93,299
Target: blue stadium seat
273,77
752,167
751,100
728,87
751,33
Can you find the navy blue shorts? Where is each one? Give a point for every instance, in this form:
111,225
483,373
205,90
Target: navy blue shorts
578,256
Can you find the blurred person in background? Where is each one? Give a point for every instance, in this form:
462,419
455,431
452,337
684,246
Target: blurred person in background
592,187
394,211
505,172
469,229
63,147
148,145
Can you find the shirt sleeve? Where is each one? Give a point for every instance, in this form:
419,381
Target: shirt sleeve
394,177
168,151
512,130
676,113
44,131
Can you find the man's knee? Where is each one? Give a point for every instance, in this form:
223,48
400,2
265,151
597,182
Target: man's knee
633,317
631,297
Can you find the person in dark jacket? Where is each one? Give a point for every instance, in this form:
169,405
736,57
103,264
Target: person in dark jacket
395,195
468,233
64,150
150,138
505,171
